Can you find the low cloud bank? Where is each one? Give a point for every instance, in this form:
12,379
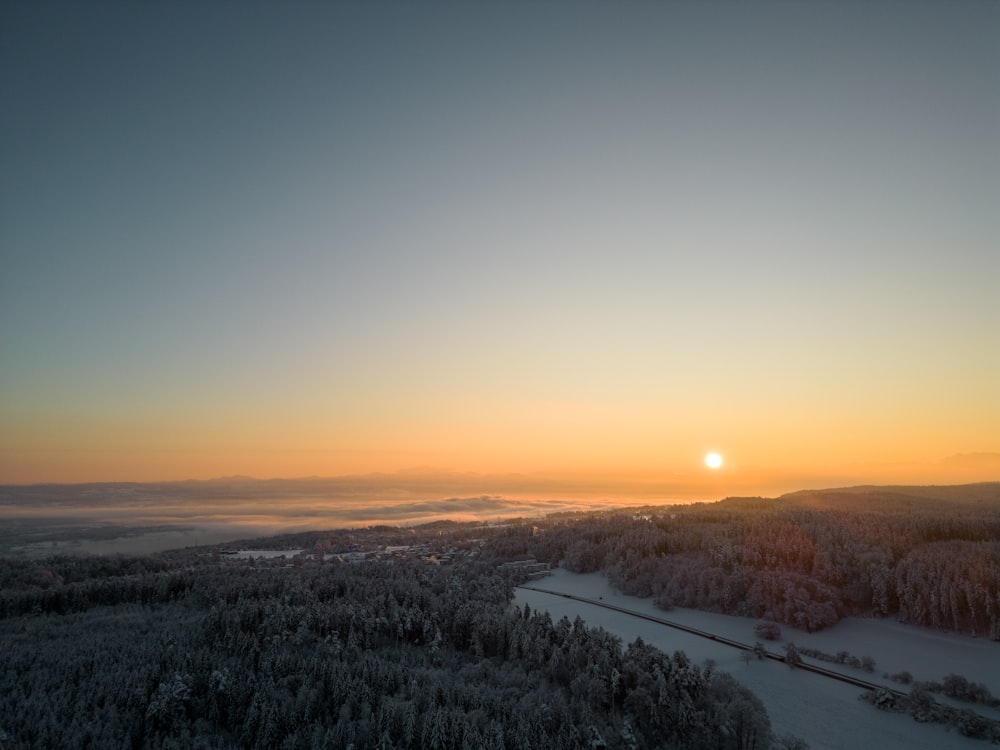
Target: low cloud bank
149,517
462,508
146,517
311,502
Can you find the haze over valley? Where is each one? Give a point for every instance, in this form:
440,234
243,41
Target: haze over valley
138,517
500,375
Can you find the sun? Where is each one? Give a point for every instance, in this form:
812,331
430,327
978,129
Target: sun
713,460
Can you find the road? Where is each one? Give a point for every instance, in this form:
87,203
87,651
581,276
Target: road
857,682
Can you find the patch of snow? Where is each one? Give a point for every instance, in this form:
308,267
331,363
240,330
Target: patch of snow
824,712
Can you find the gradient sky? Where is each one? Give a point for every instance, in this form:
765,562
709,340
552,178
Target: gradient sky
567,239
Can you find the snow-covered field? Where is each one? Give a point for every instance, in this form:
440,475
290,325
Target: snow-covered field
824,712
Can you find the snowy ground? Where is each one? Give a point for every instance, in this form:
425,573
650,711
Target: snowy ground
825,713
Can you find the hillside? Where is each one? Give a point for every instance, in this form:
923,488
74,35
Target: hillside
983,495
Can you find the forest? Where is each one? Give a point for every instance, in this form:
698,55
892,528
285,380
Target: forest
806,559
392,637
199,651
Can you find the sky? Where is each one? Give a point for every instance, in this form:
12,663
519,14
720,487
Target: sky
583,242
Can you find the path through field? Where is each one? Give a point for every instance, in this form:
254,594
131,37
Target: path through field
824,712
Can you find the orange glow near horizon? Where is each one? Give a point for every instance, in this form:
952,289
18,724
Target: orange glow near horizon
588,453
470,262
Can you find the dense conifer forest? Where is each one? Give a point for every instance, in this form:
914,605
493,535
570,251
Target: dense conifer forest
806,559
406,638
191,651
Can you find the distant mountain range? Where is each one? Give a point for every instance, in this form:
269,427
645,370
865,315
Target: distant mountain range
418,487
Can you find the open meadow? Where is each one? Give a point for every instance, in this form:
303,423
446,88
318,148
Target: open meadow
825,713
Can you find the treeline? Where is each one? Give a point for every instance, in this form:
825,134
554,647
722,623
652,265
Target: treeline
779,560
394,654
67,584
920,704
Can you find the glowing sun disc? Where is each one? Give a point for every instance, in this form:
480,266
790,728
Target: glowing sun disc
713,460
